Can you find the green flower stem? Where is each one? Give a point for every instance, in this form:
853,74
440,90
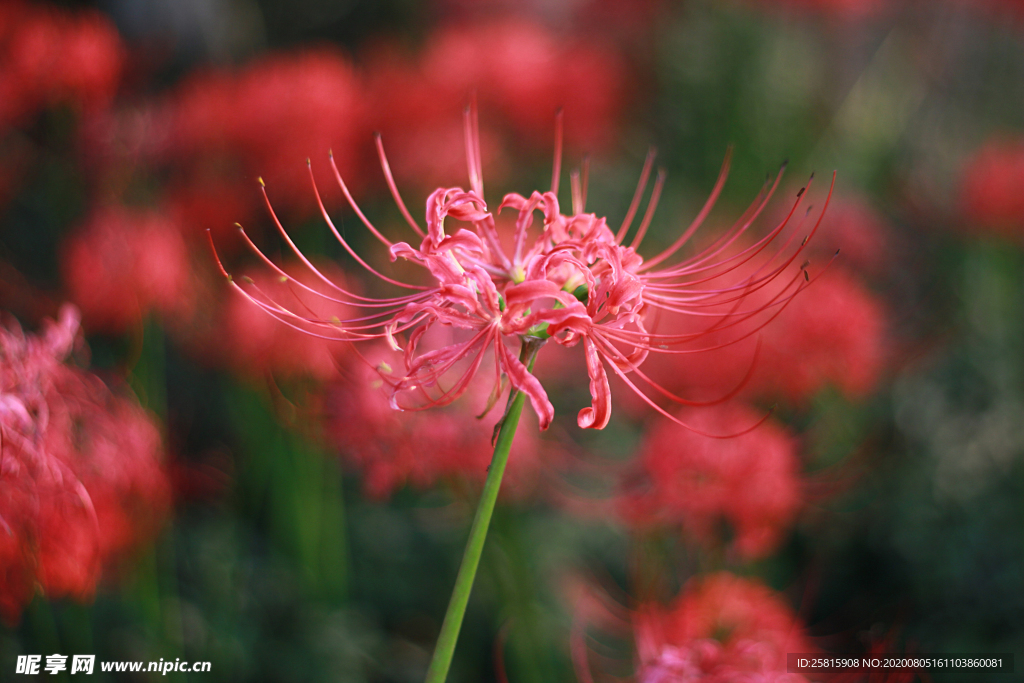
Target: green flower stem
445,648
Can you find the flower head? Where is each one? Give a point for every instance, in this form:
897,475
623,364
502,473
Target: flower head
720,628
751,481
572,280
990,188
50,56
124,263
81,478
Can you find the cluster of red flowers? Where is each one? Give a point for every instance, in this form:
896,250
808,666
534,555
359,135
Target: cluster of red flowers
990,191
721,629
751,481
81,473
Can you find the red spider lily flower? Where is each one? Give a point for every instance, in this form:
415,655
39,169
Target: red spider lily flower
123,264
572,280
49,56
721,629
421,449
81,477
751,481
990,193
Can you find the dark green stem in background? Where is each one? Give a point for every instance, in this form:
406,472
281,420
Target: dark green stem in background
445,648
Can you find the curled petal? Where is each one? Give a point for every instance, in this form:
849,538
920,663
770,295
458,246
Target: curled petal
525,382
597,415
527,293
463,239
463,206
389,335
403,250
514,200
460,294
435,216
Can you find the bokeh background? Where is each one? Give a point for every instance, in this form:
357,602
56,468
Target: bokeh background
285,526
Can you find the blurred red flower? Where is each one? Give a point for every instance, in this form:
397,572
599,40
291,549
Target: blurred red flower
720,629
856,230
50,56
262,343
751,481
420,449
223,127
520,73
123,263
81,474
990,189
832,334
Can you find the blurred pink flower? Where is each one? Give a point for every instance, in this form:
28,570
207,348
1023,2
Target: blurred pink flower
751,481
81,474
990,189
123,263
721,629
576,282
50,56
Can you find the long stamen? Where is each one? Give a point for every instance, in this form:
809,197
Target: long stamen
352,202
634,205
699,220
556,170
358,300
337,234
576,191
646,399
652,206
471,128
394,188
584,183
